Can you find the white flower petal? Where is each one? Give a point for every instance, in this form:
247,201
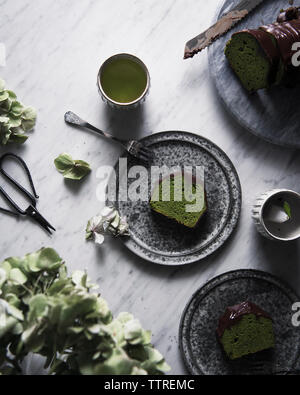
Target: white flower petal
99,239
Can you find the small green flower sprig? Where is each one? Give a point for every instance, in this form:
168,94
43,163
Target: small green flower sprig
15,118
72,169
46,312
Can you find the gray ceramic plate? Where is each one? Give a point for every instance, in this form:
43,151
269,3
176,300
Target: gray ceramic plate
159,240
269,114
198,342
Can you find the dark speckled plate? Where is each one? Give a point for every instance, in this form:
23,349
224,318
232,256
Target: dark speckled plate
160,240
269,114
198,342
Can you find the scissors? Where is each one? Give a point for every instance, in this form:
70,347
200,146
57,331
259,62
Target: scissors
31,211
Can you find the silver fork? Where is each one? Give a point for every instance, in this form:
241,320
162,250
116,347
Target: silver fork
133,147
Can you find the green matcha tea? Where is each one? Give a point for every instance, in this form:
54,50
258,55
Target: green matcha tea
123,80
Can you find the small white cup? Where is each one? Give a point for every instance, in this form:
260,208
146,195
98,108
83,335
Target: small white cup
287,231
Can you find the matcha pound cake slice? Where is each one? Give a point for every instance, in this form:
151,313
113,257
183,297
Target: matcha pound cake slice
245,329
254,58
263,57
171,199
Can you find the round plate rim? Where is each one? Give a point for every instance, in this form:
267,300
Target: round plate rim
230,111
156,258
218,280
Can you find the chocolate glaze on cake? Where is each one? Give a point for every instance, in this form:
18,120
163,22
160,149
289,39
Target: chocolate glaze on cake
286,34
234,314
289,14
271,45
266,43
286,31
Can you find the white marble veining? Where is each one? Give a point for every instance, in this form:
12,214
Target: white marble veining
54,50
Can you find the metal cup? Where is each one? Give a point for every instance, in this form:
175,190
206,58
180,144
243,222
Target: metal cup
287,231
125,106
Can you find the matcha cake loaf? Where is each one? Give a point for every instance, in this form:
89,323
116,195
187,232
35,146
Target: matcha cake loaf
263,57
245,329
168,199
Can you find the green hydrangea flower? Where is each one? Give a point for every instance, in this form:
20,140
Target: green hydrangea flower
15,118
44,311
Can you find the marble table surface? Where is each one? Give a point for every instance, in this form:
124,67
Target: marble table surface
54,50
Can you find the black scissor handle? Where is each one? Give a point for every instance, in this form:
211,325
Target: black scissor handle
32,197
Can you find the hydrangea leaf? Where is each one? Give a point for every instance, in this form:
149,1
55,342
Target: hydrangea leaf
33,340
77,277
6,308
5,131
14,122
32,263
117,364
57,287
44,259
16,313
72,169
116,331
138,372
5,106
75,330
17,276
133,331
6,266
28,333
162,367
95,329
80,170
16,109
37,307
4,120
17,329
48,259
125,317
18,138
12,95
28,119
80,279
103,310
5,137
64,163
29,114
7,326
4,96
13,300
